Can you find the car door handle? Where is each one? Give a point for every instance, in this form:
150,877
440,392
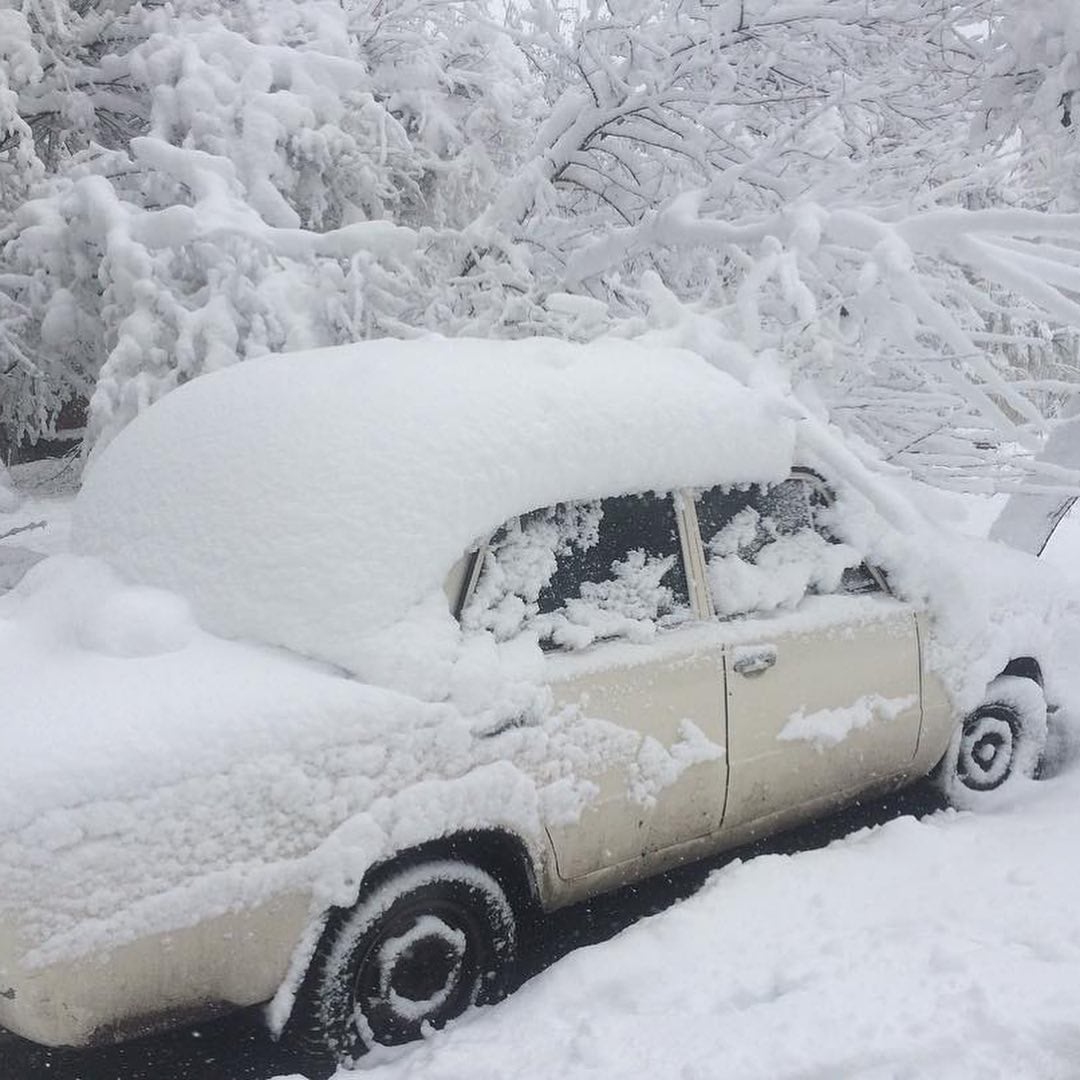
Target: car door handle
753,659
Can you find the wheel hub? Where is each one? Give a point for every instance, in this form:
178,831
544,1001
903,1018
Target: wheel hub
420,968
986,752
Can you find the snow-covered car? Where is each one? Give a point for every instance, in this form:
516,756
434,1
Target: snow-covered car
371,656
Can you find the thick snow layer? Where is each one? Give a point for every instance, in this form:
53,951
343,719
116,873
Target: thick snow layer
311,499
152,775
946,948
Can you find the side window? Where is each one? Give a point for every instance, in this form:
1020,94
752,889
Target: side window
580,572
765,548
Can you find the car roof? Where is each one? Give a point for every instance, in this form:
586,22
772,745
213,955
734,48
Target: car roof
310,499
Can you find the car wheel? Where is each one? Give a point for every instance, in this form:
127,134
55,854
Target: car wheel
423,944
999,743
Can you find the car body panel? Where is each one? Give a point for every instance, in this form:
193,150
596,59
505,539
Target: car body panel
847,647
861,672
635,814
233,960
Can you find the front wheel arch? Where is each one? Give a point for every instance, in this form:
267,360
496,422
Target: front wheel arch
503,855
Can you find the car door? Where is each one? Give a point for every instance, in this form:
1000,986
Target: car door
603,585
822,671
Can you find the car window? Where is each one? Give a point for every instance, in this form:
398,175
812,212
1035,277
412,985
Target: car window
583,571
765,548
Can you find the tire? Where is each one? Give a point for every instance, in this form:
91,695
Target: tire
998,746
423,944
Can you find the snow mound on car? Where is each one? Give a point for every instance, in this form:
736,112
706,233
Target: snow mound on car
79,604
311,499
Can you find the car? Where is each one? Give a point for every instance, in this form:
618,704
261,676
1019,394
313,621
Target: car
369,657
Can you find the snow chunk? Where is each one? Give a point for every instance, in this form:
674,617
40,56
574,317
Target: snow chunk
139,621
78,603
827,727
658,767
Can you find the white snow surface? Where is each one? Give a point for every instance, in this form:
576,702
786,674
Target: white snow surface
424,447
827,727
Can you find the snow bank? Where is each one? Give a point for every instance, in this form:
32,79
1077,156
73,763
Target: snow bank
310,500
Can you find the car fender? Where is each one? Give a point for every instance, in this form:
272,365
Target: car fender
495,797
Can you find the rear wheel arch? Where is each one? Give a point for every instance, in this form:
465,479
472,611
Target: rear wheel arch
449,873
498,852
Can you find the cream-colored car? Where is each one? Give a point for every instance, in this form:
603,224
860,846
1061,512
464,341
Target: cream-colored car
695,665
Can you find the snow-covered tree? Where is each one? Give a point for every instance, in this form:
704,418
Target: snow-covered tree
203,182
802,175
253,205
64,93
1030,101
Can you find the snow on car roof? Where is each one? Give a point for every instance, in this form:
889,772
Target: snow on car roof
310,499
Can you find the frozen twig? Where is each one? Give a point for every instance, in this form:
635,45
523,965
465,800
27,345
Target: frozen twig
22,528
